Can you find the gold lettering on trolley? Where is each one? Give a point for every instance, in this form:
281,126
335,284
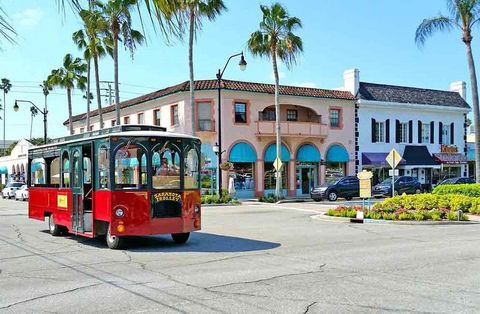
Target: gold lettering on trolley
167,196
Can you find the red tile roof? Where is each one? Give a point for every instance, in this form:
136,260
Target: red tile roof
202,85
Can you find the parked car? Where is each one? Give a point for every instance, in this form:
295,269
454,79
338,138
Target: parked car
22,193
346,187
403,184
458,180
9,190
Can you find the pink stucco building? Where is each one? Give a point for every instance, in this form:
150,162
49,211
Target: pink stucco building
317,128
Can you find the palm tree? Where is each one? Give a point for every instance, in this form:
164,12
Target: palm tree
194,11
46,88
69,76
275,39
464,14
90,39
5,85
118,17
33,112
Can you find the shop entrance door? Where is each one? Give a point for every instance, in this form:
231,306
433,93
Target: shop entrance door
307,179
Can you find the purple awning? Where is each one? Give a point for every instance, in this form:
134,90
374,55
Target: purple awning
376,159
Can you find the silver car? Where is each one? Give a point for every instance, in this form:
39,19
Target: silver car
10,189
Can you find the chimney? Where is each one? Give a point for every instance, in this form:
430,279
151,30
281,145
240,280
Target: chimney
459,87
351,81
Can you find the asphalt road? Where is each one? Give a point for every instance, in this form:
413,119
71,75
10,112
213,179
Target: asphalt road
248,259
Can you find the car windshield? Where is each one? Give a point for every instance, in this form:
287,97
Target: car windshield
14,185
448,181
334,182
387,181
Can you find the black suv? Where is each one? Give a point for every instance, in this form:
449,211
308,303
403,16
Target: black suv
458,180
403,184
347,187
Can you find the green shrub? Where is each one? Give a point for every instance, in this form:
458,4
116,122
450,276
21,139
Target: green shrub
389,216
225,198
406,216
270,198
453,215
472,190
374,215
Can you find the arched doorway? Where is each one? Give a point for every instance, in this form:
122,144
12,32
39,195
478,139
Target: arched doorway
308,159
243,158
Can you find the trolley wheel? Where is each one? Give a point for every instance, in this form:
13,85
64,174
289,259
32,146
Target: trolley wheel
114,242
180,238
54,229
332,196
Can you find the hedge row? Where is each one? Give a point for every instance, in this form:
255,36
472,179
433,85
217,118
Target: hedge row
449,202
400,214
472,190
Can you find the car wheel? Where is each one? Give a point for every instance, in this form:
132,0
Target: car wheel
317,199
54,229
180,238
332,196
395,193
348,198
418,191
114,242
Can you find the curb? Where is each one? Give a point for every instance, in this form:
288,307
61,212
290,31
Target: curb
298,200
324,217
219,205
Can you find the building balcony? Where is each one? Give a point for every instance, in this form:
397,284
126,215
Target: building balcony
292,129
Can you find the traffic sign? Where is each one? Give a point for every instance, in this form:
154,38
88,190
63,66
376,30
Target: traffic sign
393,158
277,164
365,182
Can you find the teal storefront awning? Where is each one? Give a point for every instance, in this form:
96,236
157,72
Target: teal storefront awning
337,153
37,166
3,170
242,152
308,153
271,153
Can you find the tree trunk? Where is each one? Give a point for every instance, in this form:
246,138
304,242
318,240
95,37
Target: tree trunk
115,78
88,95
97,85
190,64
278,183
31,125
69,100
476,116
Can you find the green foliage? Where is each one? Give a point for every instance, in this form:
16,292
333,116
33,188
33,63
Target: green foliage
270,198
344,211
453,216
406,216
472,190
428,202
225,198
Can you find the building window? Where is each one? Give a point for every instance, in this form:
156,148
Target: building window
267,115
156,117
404,132
240,112
141,118
425,132
174,114
334,118
90,128
126,120
446,134
82,130
292,115
204,113
380,132
114,122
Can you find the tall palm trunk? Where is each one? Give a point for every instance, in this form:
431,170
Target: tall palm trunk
115,77
88,96
278,183
69,100
31,125
476,116
190,64
97,85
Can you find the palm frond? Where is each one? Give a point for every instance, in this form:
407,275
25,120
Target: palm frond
429,26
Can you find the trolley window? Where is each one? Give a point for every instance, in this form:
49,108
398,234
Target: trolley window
130,167
191,168
103,167
166,166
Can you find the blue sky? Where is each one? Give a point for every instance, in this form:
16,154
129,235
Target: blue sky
375,36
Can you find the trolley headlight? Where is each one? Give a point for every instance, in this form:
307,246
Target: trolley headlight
197,210
119,212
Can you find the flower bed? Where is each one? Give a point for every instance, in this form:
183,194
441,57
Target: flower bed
472,190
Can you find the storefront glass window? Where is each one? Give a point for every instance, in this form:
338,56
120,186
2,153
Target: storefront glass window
269,183
334,171
243,176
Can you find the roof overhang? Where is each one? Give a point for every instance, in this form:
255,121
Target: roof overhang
408,106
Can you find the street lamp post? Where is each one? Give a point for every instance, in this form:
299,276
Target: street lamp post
44,112
243,65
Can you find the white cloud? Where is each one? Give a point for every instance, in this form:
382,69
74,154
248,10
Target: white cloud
29,17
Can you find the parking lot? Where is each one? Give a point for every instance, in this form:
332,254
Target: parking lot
256,258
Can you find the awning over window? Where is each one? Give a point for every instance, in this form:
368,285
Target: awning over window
337,153
377,159
242,152
450,158
271,153
418,156
308,153
3,170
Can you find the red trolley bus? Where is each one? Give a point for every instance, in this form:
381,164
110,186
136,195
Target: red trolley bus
122,181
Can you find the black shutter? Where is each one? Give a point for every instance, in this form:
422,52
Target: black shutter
440,129
432,132
397,131
387,131
410,131
374,126
452,133
419,132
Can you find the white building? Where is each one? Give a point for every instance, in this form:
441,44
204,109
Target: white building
14,166
427,127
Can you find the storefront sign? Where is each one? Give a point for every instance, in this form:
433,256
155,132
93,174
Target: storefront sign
364,178
448,148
